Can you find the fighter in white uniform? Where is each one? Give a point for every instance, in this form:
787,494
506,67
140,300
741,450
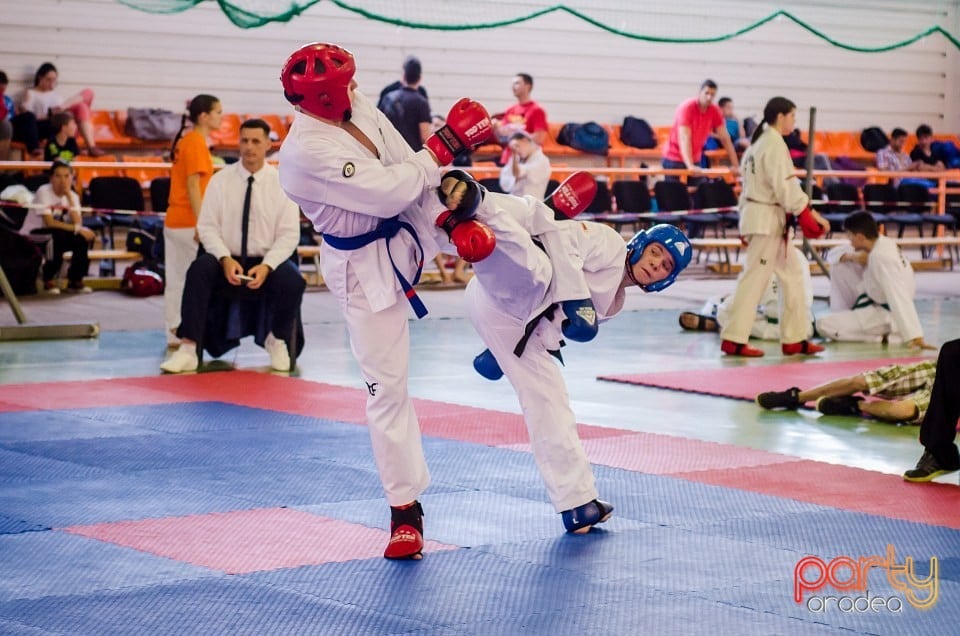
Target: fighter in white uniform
548,280
871,288
771,195
373,199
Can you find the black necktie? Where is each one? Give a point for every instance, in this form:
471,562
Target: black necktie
246,224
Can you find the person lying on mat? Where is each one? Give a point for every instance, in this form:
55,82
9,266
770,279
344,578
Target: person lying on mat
904,388
766,325
546,281
938,430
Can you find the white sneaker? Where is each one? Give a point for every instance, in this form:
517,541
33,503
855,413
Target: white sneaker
279,356
183,359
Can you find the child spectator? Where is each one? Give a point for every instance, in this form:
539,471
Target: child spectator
62,145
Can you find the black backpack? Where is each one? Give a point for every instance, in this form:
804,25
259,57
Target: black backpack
873,139
637,133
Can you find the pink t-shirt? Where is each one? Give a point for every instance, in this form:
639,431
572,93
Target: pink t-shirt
701,124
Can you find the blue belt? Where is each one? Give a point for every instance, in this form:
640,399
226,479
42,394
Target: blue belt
387,229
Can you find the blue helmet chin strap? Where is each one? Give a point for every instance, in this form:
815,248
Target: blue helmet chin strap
673,240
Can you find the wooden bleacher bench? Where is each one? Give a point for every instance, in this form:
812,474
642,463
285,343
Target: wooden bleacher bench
723,246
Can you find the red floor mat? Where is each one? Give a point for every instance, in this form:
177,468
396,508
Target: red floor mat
745,382
845,488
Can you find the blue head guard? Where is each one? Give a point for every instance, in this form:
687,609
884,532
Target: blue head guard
675,242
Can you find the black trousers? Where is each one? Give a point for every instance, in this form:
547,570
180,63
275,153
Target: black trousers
939,427
64,241
282,291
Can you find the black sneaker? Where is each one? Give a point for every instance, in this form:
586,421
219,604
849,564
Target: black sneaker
928,468
840,405
789,399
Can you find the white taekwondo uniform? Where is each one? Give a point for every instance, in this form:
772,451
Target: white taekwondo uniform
872,301
346,191
510,290
770,192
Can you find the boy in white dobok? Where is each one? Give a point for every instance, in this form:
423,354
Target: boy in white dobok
547,281
871,289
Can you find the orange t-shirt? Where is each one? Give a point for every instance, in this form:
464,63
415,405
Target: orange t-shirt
192,157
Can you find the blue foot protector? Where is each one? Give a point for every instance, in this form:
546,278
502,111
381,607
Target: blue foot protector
487,366
580,519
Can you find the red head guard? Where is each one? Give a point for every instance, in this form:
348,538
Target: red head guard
139,281
317,79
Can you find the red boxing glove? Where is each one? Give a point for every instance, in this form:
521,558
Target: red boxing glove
474,240
809,225
574,195
468,125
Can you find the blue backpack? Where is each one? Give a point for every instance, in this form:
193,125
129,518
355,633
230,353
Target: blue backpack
589,137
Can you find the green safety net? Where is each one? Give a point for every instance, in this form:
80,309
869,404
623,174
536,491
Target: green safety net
463,16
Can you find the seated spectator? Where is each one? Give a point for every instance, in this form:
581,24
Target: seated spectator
734,128
892,158
21,127
43,101
905,389
6,116
938,430
923,151
62,144
62,221
798,154
526,115
248,230
528,171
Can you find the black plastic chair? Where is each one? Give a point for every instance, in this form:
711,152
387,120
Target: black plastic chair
602,202
159,194
633,199
842,200
492,184
115,193
671,196
717,193
915,199
883,199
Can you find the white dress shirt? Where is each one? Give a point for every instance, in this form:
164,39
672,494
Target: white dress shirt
274,224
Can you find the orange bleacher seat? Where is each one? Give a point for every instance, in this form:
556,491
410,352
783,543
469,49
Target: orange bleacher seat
277,125
86,169
106,133
551,147
228,135
144,175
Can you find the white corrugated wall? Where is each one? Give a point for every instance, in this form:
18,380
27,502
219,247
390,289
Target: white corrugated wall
581,73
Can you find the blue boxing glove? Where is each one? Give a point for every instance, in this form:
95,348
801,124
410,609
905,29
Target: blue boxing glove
581,322
487,366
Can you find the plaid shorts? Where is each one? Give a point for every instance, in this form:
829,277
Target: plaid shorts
911,381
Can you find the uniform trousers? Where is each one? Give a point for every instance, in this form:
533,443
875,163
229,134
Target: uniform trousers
179,251
282,291
769,255
380,342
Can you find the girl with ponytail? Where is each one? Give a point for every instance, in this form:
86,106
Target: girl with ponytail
770,199
192,169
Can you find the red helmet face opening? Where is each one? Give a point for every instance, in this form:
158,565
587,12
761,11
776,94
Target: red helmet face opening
317,79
